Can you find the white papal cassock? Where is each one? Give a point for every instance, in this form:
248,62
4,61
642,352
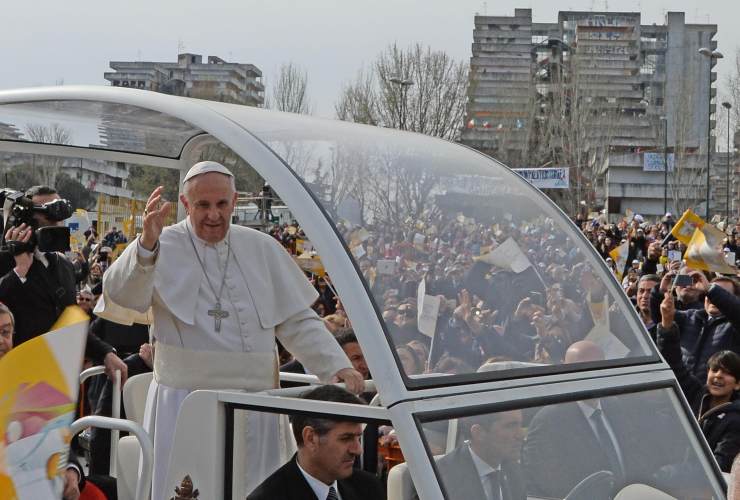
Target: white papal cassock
265,294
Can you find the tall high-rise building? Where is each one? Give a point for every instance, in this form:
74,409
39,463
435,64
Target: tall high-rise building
215,80
603,95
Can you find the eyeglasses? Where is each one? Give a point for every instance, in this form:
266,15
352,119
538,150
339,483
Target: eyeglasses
83,299
6,332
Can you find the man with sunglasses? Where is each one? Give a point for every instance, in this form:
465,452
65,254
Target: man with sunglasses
85,300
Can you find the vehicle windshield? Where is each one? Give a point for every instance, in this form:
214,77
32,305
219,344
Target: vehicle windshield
591,448
471,268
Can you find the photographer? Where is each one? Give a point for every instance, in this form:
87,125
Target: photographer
37,286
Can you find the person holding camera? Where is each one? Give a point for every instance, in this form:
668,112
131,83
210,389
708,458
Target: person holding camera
37,286
705,331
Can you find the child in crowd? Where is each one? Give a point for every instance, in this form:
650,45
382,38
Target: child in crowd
716,403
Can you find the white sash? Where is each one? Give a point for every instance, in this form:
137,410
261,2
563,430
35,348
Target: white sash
184,369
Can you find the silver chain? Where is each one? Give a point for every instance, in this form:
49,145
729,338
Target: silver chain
202,266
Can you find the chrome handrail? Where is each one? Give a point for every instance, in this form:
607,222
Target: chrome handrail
115,411
144,482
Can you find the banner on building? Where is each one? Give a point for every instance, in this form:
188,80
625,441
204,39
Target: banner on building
653,162
546,178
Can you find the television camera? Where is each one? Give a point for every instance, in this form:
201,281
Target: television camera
19,209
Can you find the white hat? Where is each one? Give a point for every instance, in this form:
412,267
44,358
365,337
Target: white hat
205,167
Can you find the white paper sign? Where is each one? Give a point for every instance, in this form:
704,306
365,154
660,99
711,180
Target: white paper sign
358,251
508,255
427,311
387,267
730,258
674,255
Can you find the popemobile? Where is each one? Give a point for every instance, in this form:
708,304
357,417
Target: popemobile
591,409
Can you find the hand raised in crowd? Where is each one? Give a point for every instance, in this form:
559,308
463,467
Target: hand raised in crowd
527,308
352,379
464,309
23,260
667,311
665,283
154,219
112,363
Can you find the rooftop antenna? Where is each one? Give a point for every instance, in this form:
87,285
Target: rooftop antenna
138,54
180,46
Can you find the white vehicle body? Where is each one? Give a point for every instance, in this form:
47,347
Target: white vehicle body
173,132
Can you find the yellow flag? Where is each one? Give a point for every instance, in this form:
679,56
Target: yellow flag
686,225
705,251
619,256
39,381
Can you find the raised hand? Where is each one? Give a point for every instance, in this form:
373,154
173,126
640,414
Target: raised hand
154,217
667,311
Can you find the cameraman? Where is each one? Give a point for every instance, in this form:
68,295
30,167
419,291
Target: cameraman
38,286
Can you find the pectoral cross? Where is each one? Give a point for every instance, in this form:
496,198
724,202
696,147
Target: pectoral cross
218,314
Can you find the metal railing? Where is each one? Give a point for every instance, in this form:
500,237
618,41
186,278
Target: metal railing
115,411
116,425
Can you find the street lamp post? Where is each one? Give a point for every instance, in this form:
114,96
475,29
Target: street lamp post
711,55
727,106
664,119
404,84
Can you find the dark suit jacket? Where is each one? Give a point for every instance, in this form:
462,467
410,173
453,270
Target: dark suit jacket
287,483
37,303
561,449
460,477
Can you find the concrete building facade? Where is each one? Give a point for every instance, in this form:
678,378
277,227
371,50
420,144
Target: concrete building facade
631,83
215,79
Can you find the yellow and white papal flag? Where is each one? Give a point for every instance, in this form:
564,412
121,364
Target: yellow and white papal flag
686,225
619,256
705,251
39,382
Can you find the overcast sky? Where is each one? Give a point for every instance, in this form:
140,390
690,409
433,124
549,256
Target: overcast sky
44,42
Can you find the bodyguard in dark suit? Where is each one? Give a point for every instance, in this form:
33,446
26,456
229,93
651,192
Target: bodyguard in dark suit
323,465
486,466
564,446
289,483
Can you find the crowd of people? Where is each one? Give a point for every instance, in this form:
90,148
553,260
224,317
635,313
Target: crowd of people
492,317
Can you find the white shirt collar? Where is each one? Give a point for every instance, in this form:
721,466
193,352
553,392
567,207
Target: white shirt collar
320,488
204,243
481,465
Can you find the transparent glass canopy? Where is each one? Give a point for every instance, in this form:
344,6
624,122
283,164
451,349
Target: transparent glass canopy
101,125
471,268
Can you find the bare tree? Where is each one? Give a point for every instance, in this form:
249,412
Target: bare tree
289,92
358,101
572,123
415,89
48,167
